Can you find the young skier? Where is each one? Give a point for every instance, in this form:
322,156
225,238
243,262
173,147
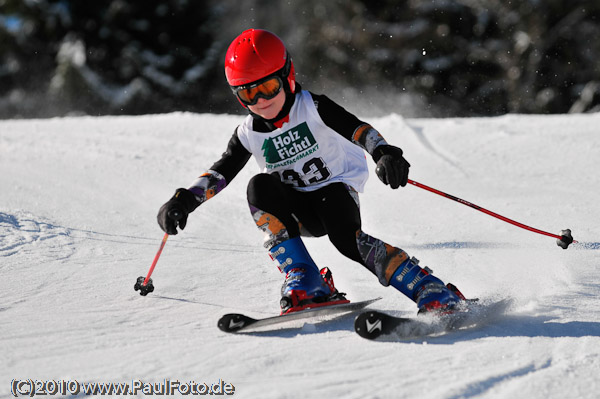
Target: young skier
311,154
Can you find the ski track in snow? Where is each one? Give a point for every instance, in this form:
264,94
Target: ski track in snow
26,233
78,225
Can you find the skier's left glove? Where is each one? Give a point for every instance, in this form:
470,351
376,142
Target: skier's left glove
175,211
391,168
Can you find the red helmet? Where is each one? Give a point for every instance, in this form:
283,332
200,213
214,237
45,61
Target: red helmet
256,54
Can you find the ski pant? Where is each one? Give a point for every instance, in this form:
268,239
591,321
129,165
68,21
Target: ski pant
282,212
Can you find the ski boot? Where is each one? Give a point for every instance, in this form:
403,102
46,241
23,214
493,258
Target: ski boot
305,286
428,291
439,298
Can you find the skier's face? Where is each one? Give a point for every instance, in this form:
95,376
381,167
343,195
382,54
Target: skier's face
268,109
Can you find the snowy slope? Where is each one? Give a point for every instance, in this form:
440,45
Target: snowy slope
78,202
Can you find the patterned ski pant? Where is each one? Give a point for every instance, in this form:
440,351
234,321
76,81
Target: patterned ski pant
283,213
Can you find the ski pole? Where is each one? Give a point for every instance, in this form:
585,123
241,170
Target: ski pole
144,285
562,240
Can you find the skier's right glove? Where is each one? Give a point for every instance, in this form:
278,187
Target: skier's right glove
175,211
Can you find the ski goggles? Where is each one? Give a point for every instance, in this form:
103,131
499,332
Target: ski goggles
267,88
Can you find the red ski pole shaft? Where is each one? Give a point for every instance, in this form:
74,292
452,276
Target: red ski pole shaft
477,207
162,245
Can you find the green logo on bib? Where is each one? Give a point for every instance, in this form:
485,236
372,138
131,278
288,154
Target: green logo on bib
289,146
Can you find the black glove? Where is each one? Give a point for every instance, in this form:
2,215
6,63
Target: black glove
176,211
391,168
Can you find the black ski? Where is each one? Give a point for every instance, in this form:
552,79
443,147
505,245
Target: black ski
374,324
235,322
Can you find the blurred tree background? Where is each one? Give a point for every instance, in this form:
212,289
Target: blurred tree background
416,58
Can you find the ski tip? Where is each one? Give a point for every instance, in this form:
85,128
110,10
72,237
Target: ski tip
374,299
369,325
234,322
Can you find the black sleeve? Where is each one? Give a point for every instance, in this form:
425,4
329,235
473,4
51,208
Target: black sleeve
336,117
232,160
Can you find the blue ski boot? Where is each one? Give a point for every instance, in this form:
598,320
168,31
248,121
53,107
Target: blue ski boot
304,284
428,291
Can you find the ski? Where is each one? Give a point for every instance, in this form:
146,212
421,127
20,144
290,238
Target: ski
235,322
375,325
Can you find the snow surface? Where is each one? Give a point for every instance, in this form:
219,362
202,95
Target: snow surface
78,204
